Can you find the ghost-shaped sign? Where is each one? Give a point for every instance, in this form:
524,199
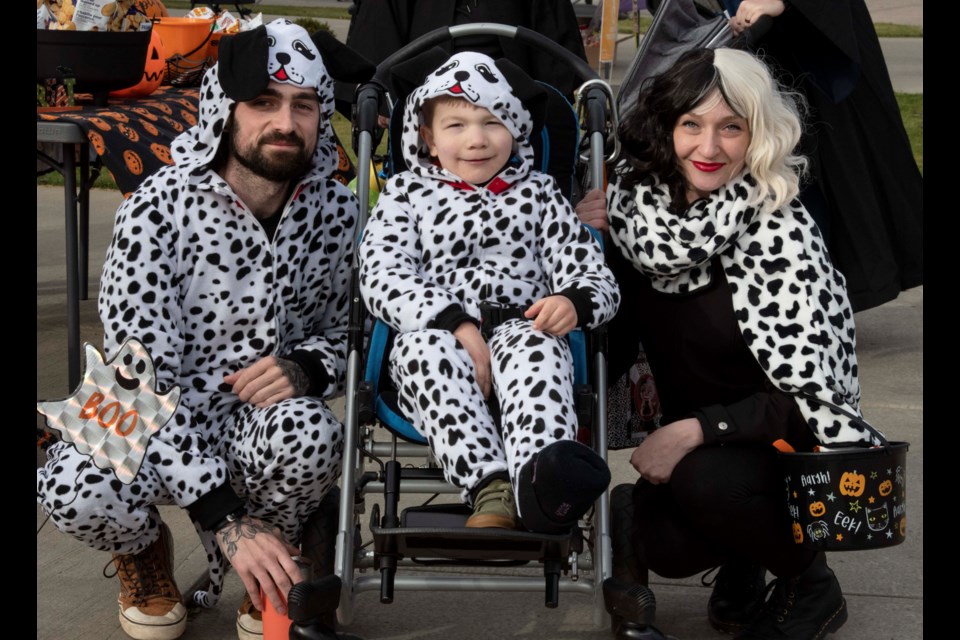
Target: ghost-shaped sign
115,410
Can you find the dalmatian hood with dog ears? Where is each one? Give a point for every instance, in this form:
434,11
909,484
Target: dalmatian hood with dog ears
500,87
280,51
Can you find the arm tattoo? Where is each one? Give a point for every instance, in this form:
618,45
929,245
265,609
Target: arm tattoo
295,374
245,527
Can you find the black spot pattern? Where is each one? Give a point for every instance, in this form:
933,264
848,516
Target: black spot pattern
434,243
192,275
790,303
456,420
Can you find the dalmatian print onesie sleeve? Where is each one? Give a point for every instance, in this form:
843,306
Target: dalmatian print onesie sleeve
324,313
140,298
573,259
392,281
192,274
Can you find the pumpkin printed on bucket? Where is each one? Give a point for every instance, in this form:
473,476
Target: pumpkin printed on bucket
885,488
817,508
797,533
852,484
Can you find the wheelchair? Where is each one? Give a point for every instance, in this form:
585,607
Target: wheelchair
377,437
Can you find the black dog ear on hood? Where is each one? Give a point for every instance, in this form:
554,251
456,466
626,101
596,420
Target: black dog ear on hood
342,63
242,65
410,74
531,94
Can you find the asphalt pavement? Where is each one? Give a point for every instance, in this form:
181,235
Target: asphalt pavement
884,588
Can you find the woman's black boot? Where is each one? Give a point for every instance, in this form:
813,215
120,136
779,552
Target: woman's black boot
626,561
629,601
805,607
737,598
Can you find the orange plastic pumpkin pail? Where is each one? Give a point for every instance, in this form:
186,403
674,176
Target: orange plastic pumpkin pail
186,43
184,36
152,71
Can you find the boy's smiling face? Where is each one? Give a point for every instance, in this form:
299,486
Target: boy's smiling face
468,141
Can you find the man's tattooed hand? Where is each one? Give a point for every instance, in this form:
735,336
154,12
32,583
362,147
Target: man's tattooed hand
245,527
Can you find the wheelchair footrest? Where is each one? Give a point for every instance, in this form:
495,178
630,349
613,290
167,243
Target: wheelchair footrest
438,532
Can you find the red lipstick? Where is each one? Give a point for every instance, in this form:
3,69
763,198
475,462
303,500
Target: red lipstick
708,167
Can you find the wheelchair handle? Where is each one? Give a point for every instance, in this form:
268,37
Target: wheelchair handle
521,34
597,107
366,101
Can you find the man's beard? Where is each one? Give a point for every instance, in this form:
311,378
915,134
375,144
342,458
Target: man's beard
281,167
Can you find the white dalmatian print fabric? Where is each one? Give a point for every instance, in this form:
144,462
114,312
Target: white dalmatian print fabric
192,274
532,377
433,242
790,303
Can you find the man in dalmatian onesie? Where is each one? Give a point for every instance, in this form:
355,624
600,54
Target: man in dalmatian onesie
460,233
232,268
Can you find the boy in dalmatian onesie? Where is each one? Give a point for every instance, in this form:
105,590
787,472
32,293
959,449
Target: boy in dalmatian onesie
232,268
472,226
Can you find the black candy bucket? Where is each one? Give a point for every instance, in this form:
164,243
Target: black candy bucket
848,499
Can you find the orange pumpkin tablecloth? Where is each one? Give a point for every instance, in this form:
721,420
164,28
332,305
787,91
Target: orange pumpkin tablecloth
132,137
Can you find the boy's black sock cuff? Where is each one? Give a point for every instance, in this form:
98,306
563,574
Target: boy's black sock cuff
558,485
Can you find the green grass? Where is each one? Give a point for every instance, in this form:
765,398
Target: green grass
103,181
887,30
312,25
627,24
911,110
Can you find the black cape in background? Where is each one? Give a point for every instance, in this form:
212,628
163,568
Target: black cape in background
860,152
381,27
